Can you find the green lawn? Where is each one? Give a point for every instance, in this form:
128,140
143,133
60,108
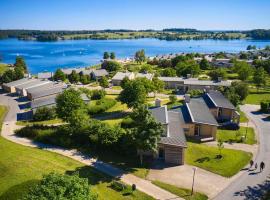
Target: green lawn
243,117
205,157
181,192
47,122
3,111
116,87
21,167
3,68
257,98
235,135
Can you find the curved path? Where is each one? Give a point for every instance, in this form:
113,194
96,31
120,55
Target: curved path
9,126
253,184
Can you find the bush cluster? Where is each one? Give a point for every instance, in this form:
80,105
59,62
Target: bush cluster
265,106
101,106
44,113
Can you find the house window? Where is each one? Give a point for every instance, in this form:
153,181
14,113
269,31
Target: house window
197,130
161,153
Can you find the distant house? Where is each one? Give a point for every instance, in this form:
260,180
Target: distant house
67,71
22,89
41,92
10,87
221,107
97,74
144,75
199,121
45,75
184,84
222,62
172,144
119,76
50,101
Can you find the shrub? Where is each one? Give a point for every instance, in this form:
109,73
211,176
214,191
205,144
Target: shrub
44,113
195,93
97,94
265,106
101,106
58,186
118,186
173,98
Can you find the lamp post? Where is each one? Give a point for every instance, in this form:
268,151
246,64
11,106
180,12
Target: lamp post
194,171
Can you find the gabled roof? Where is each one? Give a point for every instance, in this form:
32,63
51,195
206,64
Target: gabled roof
18,82
47,92
216,99
146,75
32,84
45,75
199,112
48,101
175,121
160,114
121,75
100,72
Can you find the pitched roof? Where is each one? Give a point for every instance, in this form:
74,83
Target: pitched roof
121,75
18,82
100,72
146,75
199,112
218,100
175,134
32,84
45,75
160,114
47,92
48,101
171,79
45,87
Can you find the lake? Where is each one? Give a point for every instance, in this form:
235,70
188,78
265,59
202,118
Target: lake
48,56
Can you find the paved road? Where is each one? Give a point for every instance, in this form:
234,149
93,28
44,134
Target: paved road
252,184
145,186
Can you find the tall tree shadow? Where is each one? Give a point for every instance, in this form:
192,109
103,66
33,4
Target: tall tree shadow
257,192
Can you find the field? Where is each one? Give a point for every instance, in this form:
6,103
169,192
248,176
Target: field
21,167
206,157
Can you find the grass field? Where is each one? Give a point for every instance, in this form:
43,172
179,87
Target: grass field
181,192
3,68
21,167
205,157
257,98
235,136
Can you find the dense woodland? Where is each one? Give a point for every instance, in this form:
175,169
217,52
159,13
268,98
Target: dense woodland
165,34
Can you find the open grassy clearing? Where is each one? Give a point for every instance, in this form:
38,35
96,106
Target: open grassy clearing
181,192
16,161
236,135
257,98
205,157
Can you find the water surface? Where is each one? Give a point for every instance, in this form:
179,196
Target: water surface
47,56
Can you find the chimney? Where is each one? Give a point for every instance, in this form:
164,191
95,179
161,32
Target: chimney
188,75
187,98
207,89
157,102
219,79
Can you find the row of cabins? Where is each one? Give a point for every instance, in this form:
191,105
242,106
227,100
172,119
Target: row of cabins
198,118
180,84
40,92
95,74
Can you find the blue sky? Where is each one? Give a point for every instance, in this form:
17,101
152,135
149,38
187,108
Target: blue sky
134,14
